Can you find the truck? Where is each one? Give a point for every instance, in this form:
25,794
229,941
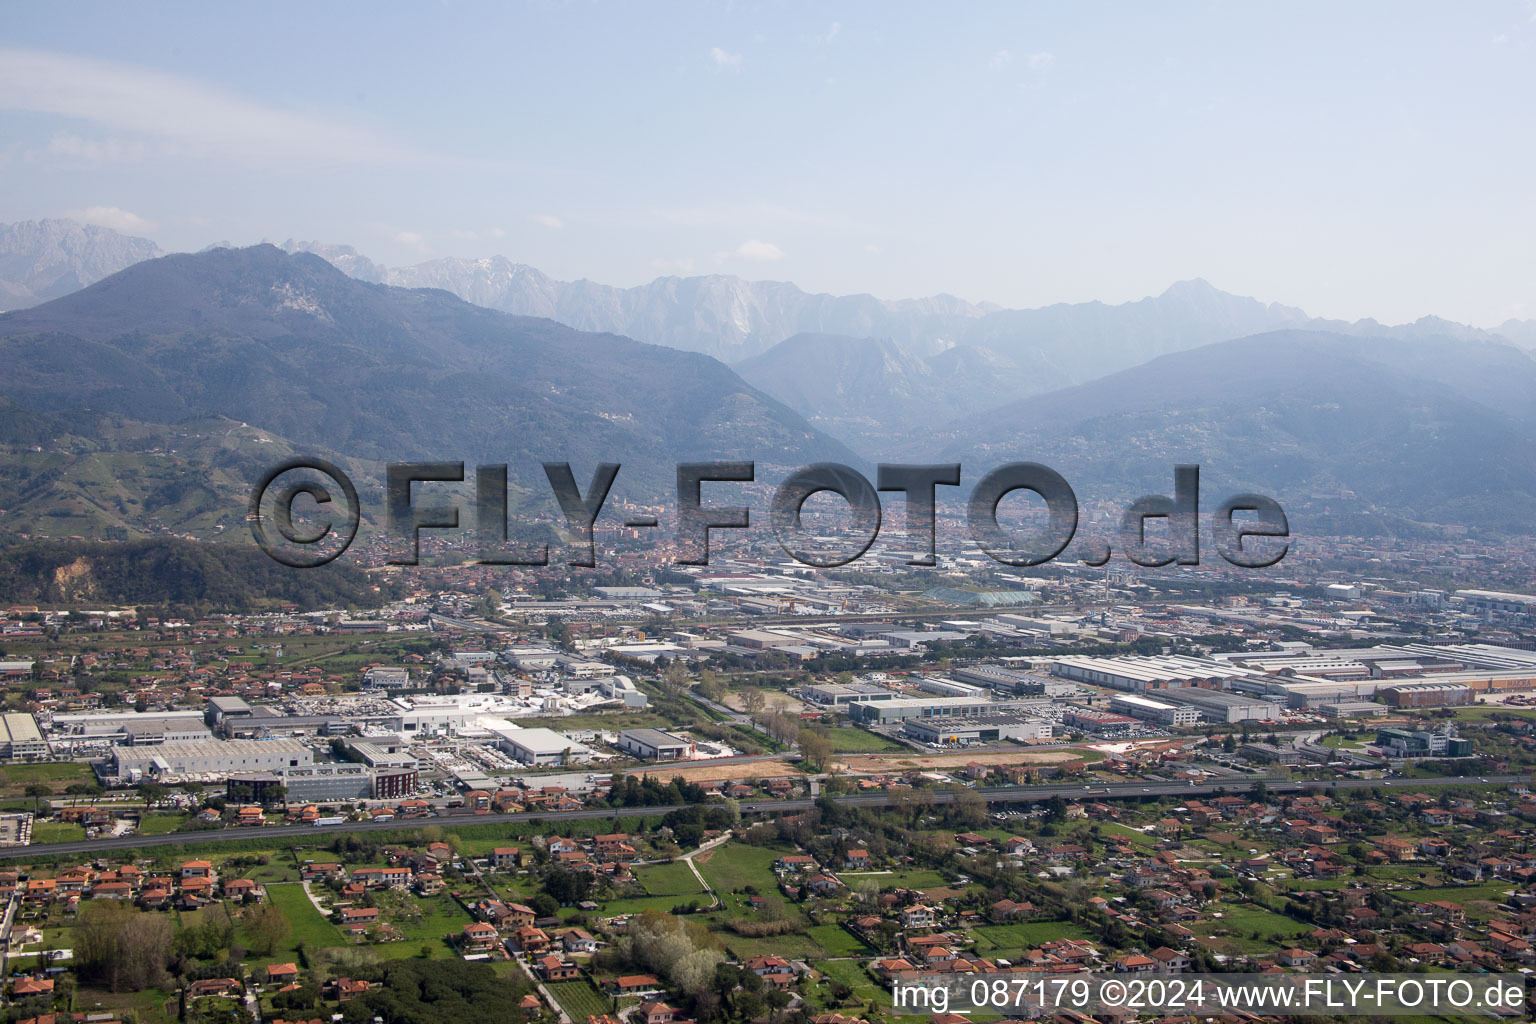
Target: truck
333,820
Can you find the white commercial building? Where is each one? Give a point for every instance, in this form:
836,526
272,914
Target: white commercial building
216,757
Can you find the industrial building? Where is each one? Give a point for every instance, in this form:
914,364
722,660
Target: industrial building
1220,706
1156,711
325,783
1139,674
1100,723
976,729
1269,753
1426,695
387,677
655,745
20,738
841,694
127,726
950,687
219,757
536,746
1352,709
901,708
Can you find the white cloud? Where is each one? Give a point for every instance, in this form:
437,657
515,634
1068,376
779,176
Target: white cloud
409,238
1041,61
468,236
549,220
496,232
724,61
1000,58
752,249
683,265
186,117
871,247
831,33
111,217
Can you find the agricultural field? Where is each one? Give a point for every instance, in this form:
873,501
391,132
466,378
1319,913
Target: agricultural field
736,866
305,925
673,879
580,999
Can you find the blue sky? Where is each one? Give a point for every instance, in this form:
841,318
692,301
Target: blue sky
1362,159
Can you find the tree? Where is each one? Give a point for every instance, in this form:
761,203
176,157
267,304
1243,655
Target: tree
674,678
37,791
753,700
267,927
816,748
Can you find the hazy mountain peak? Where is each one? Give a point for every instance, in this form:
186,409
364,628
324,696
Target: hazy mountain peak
44,259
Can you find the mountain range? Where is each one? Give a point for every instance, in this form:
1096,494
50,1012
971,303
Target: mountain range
142,402
290,345
42,260
1370,432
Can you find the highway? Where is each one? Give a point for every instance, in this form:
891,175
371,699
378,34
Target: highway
993,795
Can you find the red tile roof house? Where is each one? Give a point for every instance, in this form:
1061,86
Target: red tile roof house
774,970
552,968
635,984
654,1013
213,987
529,939
349,988
357,920
197,869
282,974
479,937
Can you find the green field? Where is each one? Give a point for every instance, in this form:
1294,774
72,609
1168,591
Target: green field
660,904
736,866
57,832
304,922
25,774
919,879
857,741
673,879
837,940
424,921
580,999
160,824
1243,921
1024,935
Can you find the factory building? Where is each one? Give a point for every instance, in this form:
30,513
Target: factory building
655,745
387,677
1001,679
1220,706
834,695
1100,723
324,783
1269,753
221,709
901,708
1352,709
215,757
1138,675
131,727
976,729
1155,711
20,738
950,687
536,746
1426,695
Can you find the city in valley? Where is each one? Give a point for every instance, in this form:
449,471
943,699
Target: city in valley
749,790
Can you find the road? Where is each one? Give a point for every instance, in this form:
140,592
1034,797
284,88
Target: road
993,795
